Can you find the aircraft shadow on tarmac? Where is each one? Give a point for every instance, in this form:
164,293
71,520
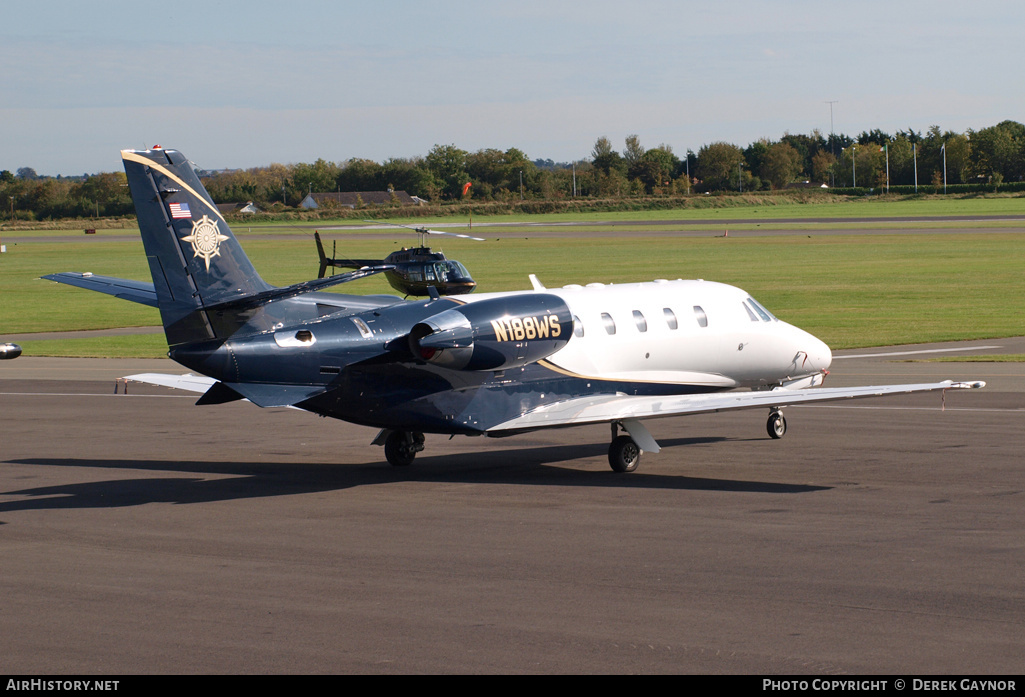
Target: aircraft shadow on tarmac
225,481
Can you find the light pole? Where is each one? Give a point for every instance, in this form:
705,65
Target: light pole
944,150
832,140
914,153
2,247
688,170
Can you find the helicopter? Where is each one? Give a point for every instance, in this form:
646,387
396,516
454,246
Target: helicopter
414,271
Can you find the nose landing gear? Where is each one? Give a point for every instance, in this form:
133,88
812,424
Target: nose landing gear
776,425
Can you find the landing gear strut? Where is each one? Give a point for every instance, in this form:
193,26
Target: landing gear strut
401,447
776,425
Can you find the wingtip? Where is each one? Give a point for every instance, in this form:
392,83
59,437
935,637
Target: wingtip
970,385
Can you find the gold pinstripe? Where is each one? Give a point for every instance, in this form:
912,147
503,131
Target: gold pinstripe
544,363
133,157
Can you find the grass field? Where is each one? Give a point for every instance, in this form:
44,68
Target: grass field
767,207
850,290
711,208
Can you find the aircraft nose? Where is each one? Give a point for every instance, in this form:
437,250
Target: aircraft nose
813,354
819,355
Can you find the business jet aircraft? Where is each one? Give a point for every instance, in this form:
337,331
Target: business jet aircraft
493,364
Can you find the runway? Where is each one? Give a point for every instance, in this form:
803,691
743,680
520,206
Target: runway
497,226
142,534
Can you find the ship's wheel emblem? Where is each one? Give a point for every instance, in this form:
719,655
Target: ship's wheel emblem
206,239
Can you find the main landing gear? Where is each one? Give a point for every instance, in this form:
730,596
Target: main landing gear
624,455
625,451
776,425
401,447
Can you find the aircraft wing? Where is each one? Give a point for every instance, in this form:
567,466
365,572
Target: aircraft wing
136,291
215,392
620,407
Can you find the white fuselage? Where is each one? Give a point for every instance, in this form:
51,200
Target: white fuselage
680,332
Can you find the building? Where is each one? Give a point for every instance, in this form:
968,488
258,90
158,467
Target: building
247,207
356,199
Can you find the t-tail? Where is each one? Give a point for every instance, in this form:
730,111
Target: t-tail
194,258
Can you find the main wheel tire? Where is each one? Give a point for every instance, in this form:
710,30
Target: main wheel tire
398,449
776,425
624,455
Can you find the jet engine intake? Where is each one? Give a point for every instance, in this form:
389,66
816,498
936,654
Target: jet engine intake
494,334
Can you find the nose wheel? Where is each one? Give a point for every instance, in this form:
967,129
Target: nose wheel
776,425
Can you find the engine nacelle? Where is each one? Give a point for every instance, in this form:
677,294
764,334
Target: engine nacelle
494,334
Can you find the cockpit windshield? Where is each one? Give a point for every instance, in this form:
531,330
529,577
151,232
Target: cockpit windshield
451,270
762,312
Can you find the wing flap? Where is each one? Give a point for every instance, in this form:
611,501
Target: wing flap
620,407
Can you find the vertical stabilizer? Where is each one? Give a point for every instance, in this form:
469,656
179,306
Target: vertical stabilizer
193,256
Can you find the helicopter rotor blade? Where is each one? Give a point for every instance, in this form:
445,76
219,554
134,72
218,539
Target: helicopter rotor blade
452,234
426,231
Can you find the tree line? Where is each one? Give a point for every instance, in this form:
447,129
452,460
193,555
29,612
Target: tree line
874,159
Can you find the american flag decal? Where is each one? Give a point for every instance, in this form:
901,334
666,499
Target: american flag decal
180,210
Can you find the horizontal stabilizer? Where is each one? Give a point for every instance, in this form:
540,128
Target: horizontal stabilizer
136,291
267,296
620,407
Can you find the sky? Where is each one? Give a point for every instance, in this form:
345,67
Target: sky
247,84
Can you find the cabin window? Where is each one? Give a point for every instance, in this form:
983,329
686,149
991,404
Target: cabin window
642,324
702,318
670,318
578,326
610,324
429,272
